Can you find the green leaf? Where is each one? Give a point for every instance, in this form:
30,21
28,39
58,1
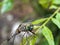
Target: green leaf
57,40
0,4
33,41
6,6
45,3
23,41
48,35
53,7
56,2
58,17
39,21
56,20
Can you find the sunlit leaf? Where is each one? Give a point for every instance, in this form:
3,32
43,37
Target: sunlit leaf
58,17
7,5
56,1
48,35
55,4
56,20
53,7
45,3
39,21
33,41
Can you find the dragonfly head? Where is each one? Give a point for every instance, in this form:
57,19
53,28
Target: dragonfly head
29,27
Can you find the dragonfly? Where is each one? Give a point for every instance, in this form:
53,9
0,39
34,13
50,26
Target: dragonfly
25,27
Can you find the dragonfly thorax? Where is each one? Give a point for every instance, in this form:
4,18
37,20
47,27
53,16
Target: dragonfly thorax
26,27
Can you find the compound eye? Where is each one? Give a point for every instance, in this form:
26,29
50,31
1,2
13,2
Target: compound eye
30,28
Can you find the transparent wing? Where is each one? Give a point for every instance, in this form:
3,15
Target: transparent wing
27,38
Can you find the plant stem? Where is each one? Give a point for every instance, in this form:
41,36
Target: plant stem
50,17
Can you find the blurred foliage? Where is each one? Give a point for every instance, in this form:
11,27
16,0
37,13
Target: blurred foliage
45,3
39,21
57,20
48,35
42,9
6,5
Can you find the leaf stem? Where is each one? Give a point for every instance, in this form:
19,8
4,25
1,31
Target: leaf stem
50,18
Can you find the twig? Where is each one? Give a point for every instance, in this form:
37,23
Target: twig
49,18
